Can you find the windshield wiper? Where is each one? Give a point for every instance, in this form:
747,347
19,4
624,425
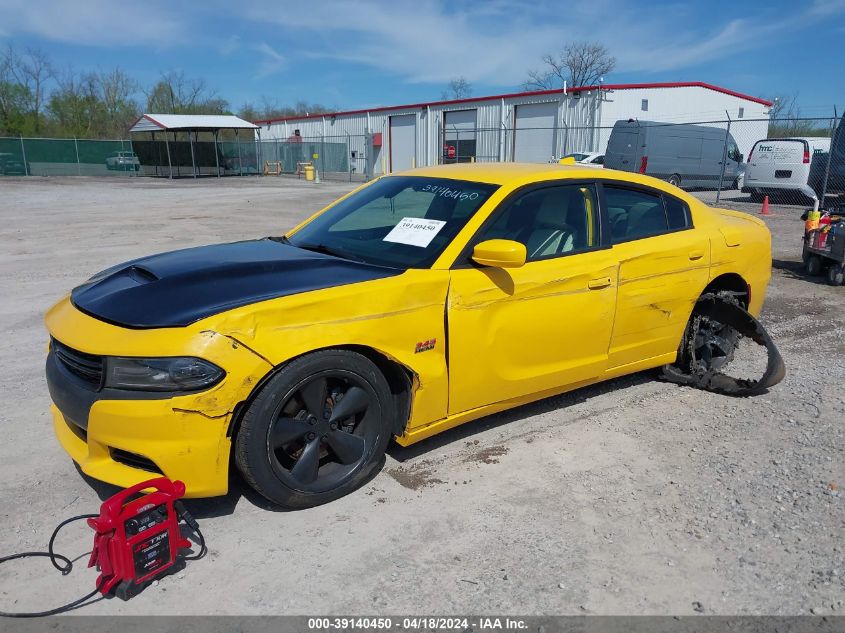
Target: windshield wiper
281,239
330,250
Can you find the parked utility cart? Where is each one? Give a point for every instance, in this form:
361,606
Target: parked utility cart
824,246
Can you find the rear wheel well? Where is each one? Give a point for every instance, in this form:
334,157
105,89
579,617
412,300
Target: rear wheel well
398,377
732,283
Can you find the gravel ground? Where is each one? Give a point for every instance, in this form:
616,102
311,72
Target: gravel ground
630,497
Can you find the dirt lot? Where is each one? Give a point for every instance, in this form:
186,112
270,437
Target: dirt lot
635,496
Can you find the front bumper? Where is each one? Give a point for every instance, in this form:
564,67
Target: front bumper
130,441
125,437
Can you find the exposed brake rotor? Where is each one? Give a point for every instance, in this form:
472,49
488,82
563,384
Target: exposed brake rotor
717,325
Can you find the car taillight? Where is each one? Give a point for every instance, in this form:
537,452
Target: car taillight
643,164
806,156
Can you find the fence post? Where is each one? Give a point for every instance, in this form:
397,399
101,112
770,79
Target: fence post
135,173
78,166
836,133
724,160
216,155
240,160
23,156
169,160
349,154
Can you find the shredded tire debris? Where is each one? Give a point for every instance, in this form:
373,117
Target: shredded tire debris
726,321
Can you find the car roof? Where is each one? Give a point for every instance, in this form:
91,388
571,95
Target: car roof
523,173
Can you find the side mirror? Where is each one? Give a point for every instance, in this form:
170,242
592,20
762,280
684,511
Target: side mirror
499,254
740,158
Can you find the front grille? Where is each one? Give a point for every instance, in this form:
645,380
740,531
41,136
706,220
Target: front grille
134,460
86,366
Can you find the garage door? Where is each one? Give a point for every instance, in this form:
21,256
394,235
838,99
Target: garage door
459,136
533,137
403,142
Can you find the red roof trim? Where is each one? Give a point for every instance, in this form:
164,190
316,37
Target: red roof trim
158,123
511,95
148,118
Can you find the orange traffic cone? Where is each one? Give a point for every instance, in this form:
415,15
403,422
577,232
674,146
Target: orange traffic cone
765,209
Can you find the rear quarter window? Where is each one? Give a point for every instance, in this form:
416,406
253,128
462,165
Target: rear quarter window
677,214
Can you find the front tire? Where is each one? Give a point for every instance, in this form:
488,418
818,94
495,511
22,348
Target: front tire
317,430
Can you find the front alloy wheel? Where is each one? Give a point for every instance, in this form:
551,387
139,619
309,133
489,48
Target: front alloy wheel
317,430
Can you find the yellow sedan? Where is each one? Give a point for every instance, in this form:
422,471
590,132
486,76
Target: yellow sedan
416,303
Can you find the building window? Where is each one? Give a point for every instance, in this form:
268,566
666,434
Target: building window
741,112
644,105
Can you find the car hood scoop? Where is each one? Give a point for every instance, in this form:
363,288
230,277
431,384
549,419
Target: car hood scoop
178,288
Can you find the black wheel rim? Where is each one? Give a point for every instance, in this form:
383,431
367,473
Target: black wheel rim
323,431
714,343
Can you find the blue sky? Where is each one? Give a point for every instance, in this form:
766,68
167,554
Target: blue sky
351,54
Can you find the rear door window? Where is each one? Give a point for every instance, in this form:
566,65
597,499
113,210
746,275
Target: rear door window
635,214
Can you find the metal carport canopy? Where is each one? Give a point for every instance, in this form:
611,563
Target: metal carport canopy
158,122
195,123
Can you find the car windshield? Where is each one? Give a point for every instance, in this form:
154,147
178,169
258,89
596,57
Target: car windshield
398,221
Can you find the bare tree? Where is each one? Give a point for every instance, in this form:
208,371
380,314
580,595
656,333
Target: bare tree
785,107
579,64
74,106
270,109
785,119
33,71
458,88
117,90
174,93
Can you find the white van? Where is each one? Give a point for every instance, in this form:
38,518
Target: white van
777,165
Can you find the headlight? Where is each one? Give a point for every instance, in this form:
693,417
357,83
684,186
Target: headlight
161,374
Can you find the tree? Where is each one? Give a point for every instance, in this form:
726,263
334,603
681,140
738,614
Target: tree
15,117
458,88
176,94
119,107
33,71
248,112
785,119
270,109
75,106
579,64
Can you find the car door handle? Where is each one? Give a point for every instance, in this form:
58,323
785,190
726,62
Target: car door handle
694,255
599,283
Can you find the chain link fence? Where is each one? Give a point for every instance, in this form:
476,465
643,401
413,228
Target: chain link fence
65,157
736,158
339,157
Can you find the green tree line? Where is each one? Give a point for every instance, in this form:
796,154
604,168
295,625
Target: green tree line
38,99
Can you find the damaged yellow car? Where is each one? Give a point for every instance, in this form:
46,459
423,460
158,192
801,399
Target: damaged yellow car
418,302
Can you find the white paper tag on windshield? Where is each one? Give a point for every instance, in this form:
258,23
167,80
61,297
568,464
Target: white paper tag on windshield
415,231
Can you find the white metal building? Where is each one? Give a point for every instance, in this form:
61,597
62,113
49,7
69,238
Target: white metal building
525,126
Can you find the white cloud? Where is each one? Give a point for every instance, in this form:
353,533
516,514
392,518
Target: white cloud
95,22
231,45
271,60
496,41
420,41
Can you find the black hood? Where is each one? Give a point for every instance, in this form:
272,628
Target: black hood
177,288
